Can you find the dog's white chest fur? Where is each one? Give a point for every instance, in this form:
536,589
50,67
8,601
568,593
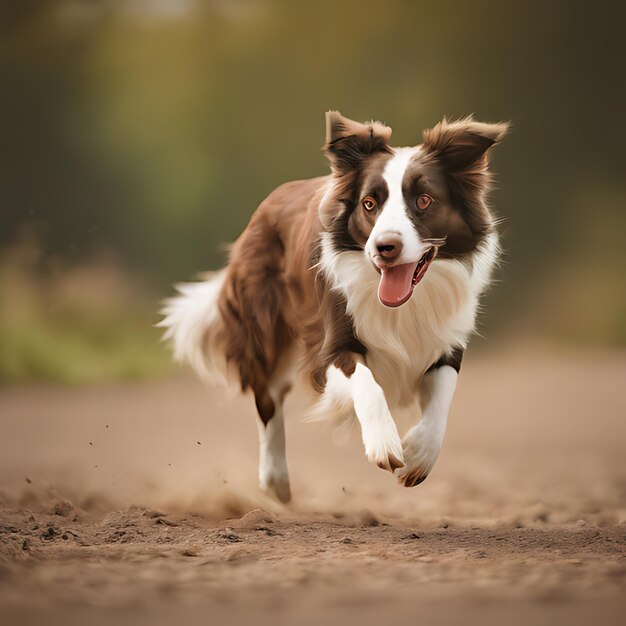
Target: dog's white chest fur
403,343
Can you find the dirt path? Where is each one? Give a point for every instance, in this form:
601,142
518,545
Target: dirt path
138,504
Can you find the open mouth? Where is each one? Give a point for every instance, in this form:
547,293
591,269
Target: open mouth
397,282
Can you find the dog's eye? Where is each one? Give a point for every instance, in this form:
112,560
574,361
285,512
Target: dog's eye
369,204
424,201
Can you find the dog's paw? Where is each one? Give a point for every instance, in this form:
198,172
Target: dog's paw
277,486
421,449
383,446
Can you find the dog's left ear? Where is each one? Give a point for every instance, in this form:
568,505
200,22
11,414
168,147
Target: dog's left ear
462,146
348,142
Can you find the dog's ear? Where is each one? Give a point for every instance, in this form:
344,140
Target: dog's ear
461,150
462,146
348,142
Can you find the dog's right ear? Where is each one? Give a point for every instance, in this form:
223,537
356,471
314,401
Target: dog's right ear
348,142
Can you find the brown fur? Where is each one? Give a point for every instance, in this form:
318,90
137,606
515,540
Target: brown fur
272,295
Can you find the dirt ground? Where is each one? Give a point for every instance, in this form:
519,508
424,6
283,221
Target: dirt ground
138,504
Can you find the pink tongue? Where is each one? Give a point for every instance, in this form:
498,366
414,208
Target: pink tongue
396,284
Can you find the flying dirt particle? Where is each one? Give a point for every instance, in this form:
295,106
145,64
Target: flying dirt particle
198,443
29,481
106,425
90,443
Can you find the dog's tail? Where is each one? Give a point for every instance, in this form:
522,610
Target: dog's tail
196,329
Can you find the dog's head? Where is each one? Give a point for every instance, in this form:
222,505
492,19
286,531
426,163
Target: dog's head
405,206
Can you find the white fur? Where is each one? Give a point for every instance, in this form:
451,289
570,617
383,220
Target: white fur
193,325
404,342
393,219
378,430
273,473
422,443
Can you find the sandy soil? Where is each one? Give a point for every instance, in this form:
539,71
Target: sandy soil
138,504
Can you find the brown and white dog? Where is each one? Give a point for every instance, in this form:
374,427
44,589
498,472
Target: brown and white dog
367,280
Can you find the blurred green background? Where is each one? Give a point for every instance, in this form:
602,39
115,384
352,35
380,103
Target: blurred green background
138,136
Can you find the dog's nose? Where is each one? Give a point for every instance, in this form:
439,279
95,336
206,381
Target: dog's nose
389,246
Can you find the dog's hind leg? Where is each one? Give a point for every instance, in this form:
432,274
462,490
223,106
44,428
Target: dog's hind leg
273,472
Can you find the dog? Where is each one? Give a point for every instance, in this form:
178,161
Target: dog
366,281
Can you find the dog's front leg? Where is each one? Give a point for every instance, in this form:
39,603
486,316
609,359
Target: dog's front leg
422,443
380,435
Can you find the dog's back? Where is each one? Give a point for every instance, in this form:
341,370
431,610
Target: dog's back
236,323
